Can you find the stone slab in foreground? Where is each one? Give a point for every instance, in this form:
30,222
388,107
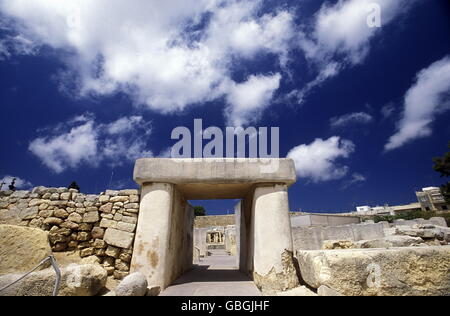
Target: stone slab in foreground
411,271
76,280
22,248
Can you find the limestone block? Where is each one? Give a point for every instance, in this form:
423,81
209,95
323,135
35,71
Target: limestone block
133,285
438,221
134,198
120,275
87,252
129,219
126,227
29,213
65,196
91,217
70,225
121,265
75,217
99,244
85,227
97,233
20,194
53,221
132,206
126,257
338,244
326,291
118,238
128,192
83,236
22,248
107,208
77,280
106,223
409,271
61,213
119,199
103,198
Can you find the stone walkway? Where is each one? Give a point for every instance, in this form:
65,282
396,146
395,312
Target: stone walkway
216,275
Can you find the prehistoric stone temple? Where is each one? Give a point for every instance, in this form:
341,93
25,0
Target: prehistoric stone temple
163,246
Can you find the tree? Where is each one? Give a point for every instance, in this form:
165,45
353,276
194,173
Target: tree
75,186
442,165
199,211
12,186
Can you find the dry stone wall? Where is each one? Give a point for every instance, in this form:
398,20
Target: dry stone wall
94,225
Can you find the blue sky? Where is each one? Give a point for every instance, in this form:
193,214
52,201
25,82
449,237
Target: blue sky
86,87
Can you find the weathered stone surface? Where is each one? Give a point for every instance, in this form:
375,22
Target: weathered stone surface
97,232
20,194
107,208
103,198
126,227
120,275
390,241
65,196
338,244
298,291
77,280
112,252
125,257
415,271
111,192
75,217
87,252
128,192
118,238
9,216
133,285
29,213
129,219
83,236
122,265
134,198
61,213
132,206
91,217
99,244
53,221
326,291
70,225
106,223
119,199
21,248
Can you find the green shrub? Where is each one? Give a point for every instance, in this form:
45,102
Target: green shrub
412,215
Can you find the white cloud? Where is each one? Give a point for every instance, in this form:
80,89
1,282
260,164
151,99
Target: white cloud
428,97
19,183
318,161
340,36
355,180
351,118
343,28
164,55
248,99
87,142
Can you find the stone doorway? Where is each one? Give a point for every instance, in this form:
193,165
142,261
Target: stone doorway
163,247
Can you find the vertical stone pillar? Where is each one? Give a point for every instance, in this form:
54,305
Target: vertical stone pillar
273,265
150,254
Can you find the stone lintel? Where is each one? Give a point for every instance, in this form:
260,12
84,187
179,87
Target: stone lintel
214,178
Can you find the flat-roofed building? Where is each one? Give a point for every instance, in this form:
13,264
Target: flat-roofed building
431,199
